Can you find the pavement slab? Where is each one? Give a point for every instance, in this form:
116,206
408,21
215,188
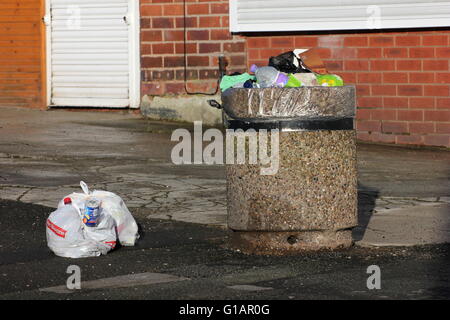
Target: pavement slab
404,225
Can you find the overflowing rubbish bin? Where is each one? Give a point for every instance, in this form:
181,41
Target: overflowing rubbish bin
310,201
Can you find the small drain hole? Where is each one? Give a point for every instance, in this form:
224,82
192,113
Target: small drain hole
292,240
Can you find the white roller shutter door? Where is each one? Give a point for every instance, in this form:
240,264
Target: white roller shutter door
90,53
307,15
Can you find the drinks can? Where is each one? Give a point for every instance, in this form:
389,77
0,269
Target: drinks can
91,212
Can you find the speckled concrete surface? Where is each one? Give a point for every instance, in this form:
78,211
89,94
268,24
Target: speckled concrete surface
315,188
285,243
311,202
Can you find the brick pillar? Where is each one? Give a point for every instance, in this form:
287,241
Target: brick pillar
207,37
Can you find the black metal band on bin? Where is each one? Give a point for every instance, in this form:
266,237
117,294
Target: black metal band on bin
294,125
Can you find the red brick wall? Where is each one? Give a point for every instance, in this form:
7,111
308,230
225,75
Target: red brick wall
402,79
207,34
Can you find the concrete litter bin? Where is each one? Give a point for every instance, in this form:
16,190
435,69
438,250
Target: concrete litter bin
311,201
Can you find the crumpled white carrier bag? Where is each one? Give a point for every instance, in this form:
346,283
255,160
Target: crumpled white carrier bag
127,228
69,237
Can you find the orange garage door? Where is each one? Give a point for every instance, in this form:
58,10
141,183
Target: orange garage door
21,53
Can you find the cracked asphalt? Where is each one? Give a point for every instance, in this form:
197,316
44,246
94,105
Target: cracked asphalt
200,253
182,213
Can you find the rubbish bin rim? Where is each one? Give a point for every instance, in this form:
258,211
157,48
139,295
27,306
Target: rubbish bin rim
317,124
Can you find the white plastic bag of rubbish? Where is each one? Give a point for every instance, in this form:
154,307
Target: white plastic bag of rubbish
127,228
69,237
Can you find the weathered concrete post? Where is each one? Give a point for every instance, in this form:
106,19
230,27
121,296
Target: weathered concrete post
311,202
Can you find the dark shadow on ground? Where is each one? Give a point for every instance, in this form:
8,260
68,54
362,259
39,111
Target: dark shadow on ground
366,204
441,288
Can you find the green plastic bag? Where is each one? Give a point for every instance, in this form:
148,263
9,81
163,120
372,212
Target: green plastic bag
229,81
329,80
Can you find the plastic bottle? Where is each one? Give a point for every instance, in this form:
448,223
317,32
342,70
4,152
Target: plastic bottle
269,77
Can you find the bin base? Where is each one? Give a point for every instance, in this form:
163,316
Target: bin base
283,243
